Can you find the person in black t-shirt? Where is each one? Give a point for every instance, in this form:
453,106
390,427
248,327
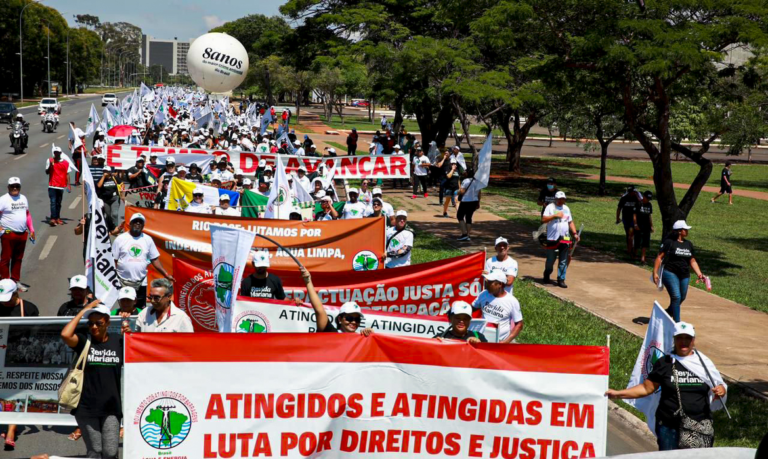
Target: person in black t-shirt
138,176
643,223
725,183
78,290
99,411
460,317
547,194
678,257
450,184
10,303
348,320
625,213
262,284
696,377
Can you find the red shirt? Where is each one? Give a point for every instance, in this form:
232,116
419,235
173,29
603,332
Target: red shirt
58,174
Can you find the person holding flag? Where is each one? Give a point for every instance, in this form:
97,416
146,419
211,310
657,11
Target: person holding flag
93,122
57,170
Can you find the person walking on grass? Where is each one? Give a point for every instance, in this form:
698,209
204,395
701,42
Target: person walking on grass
450,185
673,265
561,231
625,212
725,184
643,223
469,197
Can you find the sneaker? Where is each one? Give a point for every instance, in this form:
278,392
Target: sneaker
426,195
52,222
464,237
445,215
59,221
546,280
22,287
561,283
413,197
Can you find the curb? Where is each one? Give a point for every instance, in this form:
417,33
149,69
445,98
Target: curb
630,419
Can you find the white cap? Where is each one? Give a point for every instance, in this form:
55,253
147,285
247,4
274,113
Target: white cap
170,160
107,169
238,172
559,195
101,309
680,224
126,293
296,142
401,213
7,289
499,240
496,275
14,181
453,160
224,197
350,307
295,210
320,195
684,328
262,162
327,198
331,150
260,258
461,307
313,146
353,190
153,155
301,168
456,147
137,217
396,147
424,160
247,181
268,168
377,191
198,190
78,281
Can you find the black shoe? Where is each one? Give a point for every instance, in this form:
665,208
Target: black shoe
561,283
464,237
22,287
546,280
445,215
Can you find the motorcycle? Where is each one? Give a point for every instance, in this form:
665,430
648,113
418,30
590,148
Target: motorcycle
49,122
18,137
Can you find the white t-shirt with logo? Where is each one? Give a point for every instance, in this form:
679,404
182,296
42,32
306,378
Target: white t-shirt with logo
224,176
262,148
195,208
558,227
353,210
132,255
420,165
386,209
470,190
503,311
403,239
14,213
508,267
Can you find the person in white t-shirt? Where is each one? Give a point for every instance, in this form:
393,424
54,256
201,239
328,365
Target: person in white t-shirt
133,251
366,197
222,173
298,149
353,208
198,206
399,242
225,208
420,172
302,179
504,263
386,208
561,231
500,307
15,223
469,195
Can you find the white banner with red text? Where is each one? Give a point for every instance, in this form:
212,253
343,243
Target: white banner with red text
123,156
340,395
257,315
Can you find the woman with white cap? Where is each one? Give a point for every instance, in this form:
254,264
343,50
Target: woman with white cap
99,410
673,266
460,316
348,319
691,389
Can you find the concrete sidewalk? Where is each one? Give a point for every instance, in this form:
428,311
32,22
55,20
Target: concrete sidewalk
732,335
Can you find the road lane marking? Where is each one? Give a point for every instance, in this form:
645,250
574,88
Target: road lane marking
43,145
75,202
20,157
60,137
48,246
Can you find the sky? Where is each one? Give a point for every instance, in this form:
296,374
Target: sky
166,19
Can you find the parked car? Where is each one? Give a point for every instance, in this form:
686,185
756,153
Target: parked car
7,112
107,99
360,103
49,104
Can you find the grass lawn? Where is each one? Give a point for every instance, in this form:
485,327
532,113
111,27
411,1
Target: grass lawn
362,124
745,176
730,241
338,146
548,320
97,90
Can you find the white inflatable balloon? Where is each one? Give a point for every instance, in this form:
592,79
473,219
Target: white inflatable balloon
217,62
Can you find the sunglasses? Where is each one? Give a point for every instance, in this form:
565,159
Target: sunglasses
354,319
156,297
15,187
377,204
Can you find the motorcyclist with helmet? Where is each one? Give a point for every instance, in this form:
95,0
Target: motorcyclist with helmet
51,116
21,126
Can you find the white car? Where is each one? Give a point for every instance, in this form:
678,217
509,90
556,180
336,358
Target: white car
107,99
49,104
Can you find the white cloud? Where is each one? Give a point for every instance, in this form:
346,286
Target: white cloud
212,22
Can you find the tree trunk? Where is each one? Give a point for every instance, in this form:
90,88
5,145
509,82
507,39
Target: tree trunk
749,155
549,129
603,160
298,106
398,121
516,138
433,129
464,124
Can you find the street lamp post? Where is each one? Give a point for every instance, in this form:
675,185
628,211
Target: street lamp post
48,26
21,52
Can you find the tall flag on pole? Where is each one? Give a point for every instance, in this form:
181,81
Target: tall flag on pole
230,250
265,121
483,174
280,203
93,121
162,113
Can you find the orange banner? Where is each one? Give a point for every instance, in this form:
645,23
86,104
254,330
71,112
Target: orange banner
330,246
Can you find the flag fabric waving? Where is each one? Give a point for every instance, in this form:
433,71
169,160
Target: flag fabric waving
230,250
181,194
280,203
93,121
483,173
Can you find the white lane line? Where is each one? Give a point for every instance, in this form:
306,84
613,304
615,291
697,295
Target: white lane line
61,136
75,202
43,145
20,157
48,246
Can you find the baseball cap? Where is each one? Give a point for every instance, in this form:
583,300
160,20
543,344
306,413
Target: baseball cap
262,162
101,309
197,190
296,142
247,181
496,275
331,150
181,169
313,146
680,224
684,328
78,281
126,293
456,147
223,197
170,160
648,194
551,180
268,168
559,195
140,158
153,155
453,160
14,181
326,198
320,195
238,172
461,307
377,191
107,169
302,168
260,258
7,289
137,217
500,240
354,190
401,213
396,147
350,307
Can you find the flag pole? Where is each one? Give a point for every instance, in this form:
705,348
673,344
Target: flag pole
283,248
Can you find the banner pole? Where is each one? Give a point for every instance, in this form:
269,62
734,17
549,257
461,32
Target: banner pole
283,248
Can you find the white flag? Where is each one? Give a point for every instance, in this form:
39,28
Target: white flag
93,121
162,113
280,203
99,263
284,139
230,250
659,341
483,173
74,135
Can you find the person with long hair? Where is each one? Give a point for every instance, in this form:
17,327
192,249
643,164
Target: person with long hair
678,258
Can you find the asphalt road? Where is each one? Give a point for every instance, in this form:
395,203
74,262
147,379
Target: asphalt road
57,256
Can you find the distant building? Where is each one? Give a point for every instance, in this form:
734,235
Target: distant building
171,54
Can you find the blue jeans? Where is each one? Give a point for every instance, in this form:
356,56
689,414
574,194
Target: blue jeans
55,196
666,437
678,289
562,266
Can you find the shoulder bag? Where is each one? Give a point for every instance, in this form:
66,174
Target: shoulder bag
71,387
692,433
